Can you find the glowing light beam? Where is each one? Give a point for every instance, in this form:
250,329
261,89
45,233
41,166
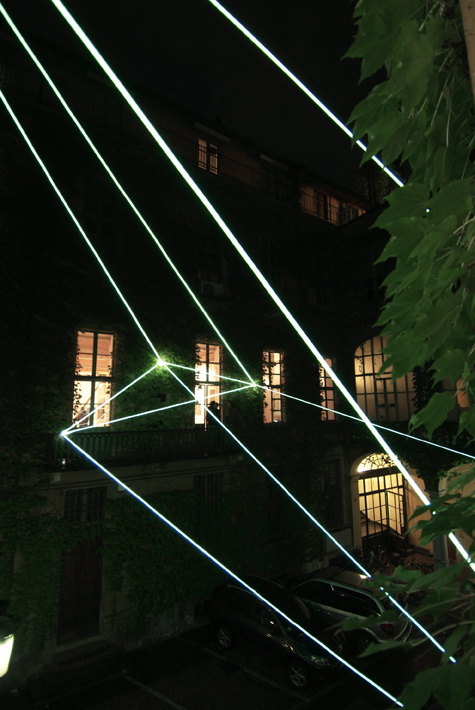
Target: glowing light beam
314,520
378,426
74,426
221,223
219,564
74,219
301,86
118,185
240,250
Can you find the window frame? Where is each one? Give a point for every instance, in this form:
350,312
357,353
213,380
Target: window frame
208,156
207,388
327,392
94,379
377,395
273,399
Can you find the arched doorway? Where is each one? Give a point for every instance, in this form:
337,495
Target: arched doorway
381,511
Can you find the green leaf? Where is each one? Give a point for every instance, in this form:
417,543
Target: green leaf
449,364
456,198
452,643
434,413
458,482
388,646
411,201
454,684
467,421
417,692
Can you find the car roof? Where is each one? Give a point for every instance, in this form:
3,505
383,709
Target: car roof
344,577
338,574
283,598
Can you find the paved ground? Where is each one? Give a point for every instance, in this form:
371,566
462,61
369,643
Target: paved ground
191,673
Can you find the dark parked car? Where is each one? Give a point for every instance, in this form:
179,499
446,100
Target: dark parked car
339,592
238,614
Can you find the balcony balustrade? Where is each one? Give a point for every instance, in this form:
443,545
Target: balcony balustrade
127,448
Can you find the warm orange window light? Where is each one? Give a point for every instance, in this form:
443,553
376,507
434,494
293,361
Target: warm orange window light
207,378
273,377
327,392
93,384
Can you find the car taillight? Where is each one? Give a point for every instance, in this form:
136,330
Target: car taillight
387,628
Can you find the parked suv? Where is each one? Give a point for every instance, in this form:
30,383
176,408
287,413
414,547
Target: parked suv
236,613
339,592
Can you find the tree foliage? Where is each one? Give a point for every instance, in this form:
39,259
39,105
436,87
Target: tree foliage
422,114
421,117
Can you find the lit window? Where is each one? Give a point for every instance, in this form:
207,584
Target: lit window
273,378
377,395
93,384
207,156
327,393
207,378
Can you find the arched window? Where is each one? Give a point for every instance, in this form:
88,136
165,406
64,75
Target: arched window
377,395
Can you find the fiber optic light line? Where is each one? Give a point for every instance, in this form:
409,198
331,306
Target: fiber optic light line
356,562
92,248
221,223
118,185
219,564
73,217
378,426
75,430
131,416
74,426
221,377
301,86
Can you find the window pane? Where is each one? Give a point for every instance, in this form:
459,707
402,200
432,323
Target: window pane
208,371
85,353
273,377
93,386
82,407
105,346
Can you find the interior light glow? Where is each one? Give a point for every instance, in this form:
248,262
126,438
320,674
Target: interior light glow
73,217
213,559
6,648
118,185
301,86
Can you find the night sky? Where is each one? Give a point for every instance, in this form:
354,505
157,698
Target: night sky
187,51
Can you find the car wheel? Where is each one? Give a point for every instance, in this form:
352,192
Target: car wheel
361,641
299,675
224,637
